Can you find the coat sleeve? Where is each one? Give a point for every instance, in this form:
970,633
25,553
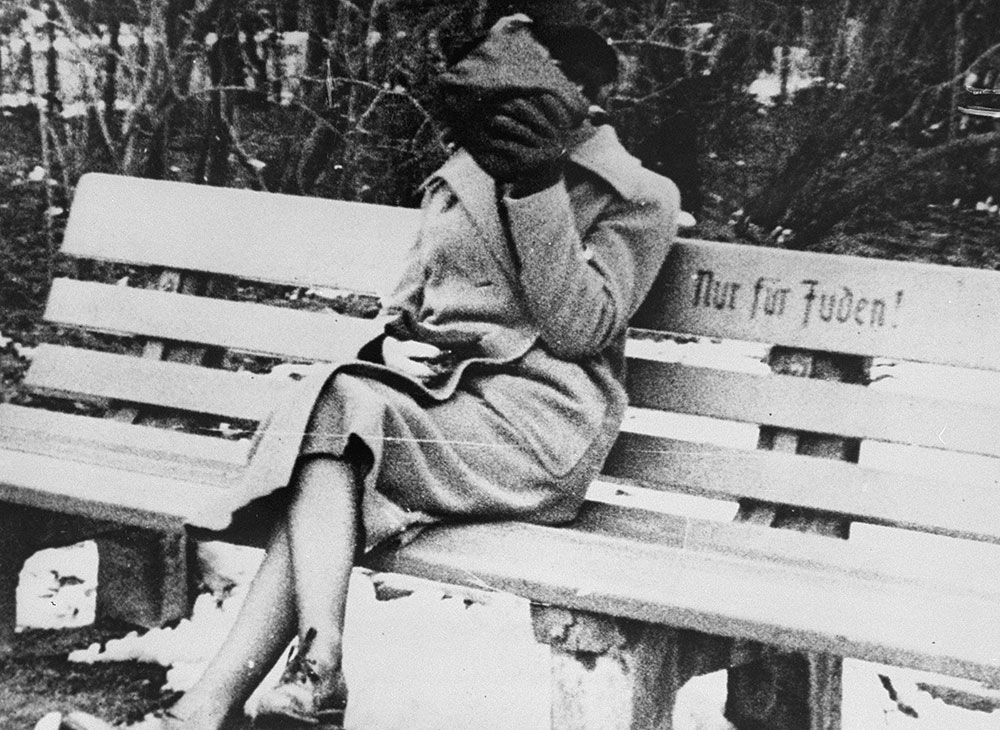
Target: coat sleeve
581,292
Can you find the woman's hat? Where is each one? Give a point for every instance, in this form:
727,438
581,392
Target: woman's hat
543,12
584,55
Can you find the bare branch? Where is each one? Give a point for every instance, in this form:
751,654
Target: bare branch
242,157
944,86
659,44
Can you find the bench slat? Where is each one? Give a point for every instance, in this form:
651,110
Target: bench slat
745,589
106,493
819,406
124,445
261,236
244,326
895,309
900,500
101,376
950,571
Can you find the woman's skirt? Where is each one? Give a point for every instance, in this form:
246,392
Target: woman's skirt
504,445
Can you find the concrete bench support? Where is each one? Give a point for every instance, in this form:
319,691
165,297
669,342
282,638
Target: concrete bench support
786,691
621,674
143,577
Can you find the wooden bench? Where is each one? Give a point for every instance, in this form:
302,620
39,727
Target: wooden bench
150,422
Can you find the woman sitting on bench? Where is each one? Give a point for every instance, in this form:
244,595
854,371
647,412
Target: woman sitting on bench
498,389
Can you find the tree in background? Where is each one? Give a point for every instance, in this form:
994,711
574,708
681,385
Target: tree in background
331,97
897,69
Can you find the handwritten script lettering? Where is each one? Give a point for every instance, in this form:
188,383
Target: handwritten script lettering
811,301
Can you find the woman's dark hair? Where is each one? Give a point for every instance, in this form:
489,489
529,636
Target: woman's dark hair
584,56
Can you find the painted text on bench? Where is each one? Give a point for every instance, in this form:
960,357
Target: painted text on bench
812,301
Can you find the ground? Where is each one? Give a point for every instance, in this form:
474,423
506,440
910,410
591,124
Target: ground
39,679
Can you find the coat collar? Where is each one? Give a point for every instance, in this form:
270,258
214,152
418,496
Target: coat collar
474,187
602,154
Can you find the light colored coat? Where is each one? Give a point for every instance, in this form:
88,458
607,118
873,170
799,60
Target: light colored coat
565,268
546,286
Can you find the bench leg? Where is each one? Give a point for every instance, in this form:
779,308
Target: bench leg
15,548
618,674
786,691
143,577
10,569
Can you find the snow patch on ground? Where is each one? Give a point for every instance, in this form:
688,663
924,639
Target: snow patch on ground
767,86
57,588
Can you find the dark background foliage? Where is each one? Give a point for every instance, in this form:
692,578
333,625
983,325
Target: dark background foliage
331,97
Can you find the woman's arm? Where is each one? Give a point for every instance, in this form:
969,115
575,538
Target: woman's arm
581,293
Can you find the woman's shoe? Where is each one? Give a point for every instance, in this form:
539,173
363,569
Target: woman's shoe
307,695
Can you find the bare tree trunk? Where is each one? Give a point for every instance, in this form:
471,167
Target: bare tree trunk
784,71
845,41
28,66
275,68
314,18
957,66
52,99
225,72
145,129
255,56
212,163
110,91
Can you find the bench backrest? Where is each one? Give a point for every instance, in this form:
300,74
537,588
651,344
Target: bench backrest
816,302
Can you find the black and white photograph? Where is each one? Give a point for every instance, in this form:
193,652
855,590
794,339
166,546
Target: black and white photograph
499,365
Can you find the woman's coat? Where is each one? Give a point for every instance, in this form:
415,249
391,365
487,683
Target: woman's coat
534,295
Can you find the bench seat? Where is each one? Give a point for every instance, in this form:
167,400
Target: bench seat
788,589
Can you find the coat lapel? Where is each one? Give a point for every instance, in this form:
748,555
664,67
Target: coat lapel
477,192
602,154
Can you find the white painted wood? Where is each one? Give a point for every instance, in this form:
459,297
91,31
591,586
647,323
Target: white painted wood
778,587
969,511
41,431
262,236
243,326
799,591
819,406
896,309
106,493
86,374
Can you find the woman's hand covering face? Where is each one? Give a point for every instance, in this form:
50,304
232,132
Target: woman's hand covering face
521,140
511,106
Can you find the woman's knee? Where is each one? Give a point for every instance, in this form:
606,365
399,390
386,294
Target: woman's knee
322,472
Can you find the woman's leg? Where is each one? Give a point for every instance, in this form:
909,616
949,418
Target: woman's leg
323,534
304,576
301,583
263,627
